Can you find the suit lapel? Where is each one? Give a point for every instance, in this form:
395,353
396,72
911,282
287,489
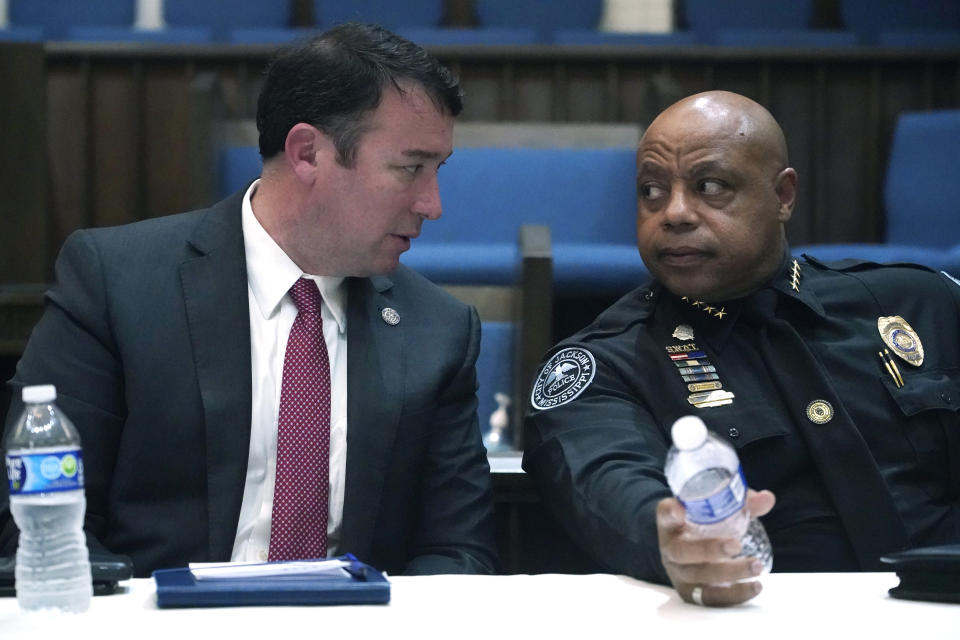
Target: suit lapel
215,296
375,373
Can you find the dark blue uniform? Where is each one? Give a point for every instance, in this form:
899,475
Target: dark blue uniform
862,451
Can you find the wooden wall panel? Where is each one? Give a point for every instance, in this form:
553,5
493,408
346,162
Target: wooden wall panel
23,188
68,151
481,83
534,96
739,77
793,107
585,92
846,159
117,122
167,144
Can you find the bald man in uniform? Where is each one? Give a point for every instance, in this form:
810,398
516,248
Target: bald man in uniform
837,383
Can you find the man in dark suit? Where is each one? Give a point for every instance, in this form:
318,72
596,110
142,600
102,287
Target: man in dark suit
167,339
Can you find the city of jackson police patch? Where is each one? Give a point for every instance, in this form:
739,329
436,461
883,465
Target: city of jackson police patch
563,378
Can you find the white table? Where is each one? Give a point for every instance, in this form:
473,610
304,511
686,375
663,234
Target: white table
592,607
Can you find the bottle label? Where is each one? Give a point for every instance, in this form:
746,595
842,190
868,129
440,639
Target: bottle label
722,504
45,472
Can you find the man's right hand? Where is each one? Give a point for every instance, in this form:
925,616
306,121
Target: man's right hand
708,565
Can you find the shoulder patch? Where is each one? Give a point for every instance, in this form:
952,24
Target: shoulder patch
955,281
563,378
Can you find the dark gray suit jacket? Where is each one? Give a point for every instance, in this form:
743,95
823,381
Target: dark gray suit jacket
146,335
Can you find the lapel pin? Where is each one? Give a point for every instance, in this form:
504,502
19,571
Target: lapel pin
820,412
390,316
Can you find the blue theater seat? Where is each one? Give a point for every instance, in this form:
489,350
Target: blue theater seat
21,34
55,17
587,197
167,35
761,23
493,36
921,192
544,18
784,37
915,14
706,17
919,38
924,24
223,16
389,13
268,35
237,167
595,37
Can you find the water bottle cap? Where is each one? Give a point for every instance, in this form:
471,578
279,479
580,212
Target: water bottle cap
39,393
688,432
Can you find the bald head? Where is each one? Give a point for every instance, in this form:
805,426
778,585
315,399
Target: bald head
726,115
714,192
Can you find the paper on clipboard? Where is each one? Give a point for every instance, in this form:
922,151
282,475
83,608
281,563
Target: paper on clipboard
333,568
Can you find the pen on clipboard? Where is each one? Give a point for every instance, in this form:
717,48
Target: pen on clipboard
891,367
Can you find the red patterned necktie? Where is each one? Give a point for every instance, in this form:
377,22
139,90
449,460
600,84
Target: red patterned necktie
301,496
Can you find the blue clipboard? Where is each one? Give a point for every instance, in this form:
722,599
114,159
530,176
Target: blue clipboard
362,585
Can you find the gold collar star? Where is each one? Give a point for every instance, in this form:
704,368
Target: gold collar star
707,308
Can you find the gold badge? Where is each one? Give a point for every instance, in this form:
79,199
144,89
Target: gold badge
820,411
683,332
901,338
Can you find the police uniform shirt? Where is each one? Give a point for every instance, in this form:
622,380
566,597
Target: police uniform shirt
793,378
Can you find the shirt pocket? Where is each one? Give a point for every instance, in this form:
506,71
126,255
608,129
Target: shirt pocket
930,402
745,422
926,390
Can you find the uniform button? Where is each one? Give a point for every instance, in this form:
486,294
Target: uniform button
733,432
264,555
946,397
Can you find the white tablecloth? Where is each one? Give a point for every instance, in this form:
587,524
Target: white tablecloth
602,607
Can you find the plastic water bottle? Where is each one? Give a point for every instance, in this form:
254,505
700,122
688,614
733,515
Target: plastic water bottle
45,471
704,473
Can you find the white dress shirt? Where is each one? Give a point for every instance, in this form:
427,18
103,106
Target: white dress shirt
270,274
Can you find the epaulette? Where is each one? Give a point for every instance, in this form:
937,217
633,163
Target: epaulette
633,308
852,265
